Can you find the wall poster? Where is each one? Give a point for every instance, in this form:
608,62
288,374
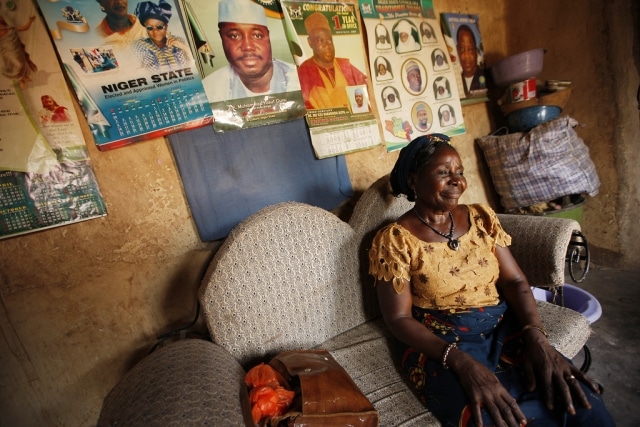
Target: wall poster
326,40
462,35
249,74
130,66
414,83
46,176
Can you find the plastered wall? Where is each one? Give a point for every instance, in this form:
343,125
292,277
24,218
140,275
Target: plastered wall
79,305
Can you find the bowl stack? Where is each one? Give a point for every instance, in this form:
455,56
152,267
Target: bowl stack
525,103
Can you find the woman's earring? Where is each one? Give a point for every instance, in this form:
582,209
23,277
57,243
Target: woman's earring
102,9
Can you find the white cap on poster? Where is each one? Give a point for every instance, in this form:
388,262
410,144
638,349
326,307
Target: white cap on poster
242,12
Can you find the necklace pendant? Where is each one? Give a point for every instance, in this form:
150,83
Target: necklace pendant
454,244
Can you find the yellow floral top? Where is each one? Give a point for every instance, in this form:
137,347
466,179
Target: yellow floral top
440,277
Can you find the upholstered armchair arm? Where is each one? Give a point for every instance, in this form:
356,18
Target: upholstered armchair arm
189,382
540,246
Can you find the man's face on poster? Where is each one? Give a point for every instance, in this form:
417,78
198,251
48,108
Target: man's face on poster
423,118
415,79
247,48
359,99
321,42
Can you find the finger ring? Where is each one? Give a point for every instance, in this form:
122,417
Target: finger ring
570,377
513,403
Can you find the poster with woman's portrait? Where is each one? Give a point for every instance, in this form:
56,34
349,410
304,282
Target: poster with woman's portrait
131,67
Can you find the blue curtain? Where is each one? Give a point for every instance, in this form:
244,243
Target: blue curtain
229,176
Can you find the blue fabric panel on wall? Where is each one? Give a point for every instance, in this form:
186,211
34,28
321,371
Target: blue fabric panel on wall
229,176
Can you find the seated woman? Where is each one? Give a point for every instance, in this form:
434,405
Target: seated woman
160,49
468,333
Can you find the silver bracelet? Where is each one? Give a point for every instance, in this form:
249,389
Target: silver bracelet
446,354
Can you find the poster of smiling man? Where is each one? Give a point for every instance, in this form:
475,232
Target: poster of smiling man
249,73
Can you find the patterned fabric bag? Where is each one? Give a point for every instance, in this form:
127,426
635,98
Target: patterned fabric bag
548,162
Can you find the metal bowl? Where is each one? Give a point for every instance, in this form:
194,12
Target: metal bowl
530,117
517,68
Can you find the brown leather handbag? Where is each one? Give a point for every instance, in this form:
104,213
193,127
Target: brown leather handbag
325,393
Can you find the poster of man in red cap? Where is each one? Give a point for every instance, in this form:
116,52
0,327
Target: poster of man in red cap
332,68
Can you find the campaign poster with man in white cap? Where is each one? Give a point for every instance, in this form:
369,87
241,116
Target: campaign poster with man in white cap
252,78
411,80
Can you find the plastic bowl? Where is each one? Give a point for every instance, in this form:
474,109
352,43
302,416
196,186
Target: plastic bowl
517,68
530,117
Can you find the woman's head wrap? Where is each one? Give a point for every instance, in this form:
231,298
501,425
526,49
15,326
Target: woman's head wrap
410,159
148,10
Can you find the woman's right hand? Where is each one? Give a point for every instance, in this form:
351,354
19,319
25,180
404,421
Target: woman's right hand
484,391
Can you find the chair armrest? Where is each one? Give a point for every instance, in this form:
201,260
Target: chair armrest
539,245
188,382
568,329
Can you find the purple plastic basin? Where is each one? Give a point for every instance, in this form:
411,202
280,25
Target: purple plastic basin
576,299
518,67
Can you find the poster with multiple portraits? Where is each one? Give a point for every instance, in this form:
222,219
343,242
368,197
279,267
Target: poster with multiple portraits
249,74
46,177
413,79
130,67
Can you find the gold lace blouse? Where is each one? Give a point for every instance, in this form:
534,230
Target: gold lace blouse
440,277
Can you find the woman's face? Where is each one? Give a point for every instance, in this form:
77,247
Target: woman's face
157,31
440,183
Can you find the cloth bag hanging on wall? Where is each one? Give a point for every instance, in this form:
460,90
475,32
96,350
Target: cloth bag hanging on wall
548,162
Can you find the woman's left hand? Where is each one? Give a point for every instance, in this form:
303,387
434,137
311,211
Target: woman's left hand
173,41
548,371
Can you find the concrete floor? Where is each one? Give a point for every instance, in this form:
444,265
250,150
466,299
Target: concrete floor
615,341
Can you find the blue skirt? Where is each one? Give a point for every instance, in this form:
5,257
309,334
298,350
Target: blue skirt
489,336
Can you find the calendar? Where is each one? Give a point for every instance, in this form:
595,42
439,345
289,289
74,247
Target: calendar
130,87
46,177
31,202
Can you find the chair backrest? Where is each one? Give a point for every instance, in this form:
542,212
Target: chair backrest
285,278
376,207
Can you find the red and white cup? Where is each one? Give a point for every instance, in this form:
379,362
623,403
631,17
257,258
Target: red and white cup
522,91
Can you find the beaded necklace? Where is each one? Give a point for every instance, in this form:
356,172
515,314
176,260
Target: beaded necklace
454,244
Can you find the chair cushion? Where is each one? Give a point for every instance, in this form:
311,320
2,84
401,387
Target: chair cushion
365,353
